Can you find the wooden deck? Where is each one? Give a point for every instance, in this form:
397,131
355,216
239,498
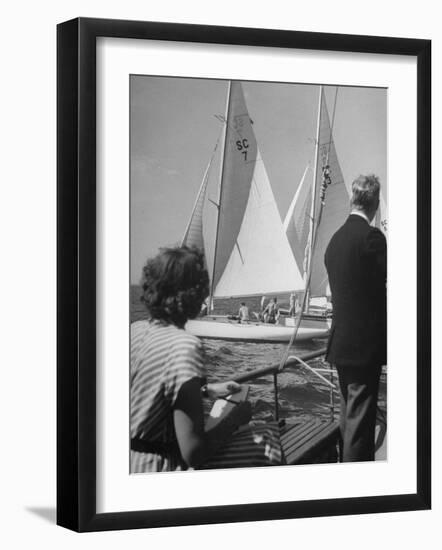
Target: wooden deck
305,441
310,442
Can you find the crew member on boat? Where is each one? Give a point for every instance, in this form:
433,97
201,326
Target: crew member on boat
294,304
243,314
356,262
204,307
263,306
271,312
167,381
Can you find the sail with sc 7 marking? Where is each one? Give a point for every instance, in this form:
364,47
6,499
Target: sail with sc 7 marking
240,150
250,253
261,261
253,254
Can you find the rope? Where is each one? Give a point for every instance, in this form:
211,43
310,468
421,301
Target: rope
307,366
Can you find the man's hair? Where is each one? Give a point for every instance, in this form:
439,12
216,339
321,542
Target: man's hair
365,193
243,303
175,283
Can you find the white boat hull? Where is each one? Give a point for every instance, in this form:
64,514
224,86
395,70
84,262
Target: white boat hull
310,322
250,332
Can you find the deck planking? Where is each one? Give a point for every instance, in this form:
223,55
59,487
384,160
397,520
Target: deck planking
310,442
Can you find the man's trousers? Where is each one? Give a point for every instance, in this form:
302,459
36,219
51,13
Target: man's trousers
359,396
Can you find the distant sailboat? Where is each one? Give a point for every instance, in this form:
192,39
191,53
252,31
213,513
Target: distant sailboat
308,243
250,254
309,240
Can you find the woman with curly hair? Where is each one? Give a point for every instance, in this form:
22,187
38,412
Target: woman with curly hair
168,378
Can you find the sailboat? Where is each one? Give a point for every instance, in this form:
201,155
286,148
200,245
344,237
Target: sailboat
308,238
250,254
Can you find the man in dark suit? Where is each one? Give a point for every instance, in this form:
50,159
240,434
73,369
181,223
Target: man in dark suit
356,262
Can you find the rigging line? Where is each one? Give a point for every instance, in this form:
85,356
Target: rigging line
309,272
223,122
315,371
330,139
239,251
304,300
220,189
298,322
314,191
326,162
214,203
333,122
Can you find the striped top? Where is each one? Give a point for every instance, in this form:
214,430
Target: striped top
163,357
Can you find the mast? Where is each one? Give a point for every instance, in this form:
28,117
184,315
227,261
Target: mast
218,205
313,203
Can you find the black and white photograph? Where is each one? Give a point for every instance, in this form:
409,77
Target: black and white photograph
234,343
258,274
220,255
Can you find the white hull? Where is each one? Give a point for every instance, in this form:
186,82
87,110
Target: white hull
310,322
250,332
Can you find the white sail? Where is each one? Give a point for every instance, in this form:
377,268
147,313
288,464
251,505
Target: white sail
296,222
194,234
293,211
261,261
251,253
194,231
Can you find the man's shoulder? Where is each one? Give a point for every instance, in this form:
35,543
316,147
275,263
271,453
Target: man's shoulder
340,234
376,233
375,240
355,234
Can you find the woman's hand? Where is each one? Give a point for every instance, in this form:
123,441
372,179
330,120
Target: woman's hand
222,389
195,444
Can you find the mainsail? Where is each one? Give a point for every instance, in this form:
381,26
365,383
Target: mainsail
262,261
334,213
240,151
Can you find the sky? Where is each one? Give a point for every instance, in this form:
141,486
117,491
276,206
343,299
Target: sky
173,130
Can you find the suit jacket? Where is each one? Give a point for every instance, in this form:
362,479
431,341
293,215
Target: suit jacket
356,262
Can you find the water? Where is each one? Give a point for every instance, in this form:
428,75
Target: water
301,393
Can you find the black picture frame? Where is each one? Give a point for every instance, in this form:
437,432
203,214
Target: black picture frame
76,273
